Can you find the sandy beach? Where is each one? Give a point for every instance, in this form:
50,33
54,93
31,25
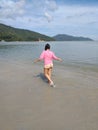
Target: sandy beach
27,102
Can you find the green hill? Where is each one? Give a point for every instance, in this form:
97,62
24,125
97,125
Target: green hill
8,33
64,37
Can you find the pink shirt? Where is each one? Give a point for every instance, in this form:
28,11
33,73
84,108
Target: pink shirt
48,56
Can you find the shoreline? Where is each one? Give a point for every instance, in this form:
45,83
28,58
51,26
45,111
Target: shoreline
60,72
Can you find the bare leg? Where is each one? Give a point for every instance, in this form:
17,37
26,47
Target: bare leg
47,73
50,72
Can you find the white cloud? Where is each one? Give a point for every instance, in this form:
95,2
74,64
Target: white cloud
10,9
75,15
13,9
51,5
48,17
50,8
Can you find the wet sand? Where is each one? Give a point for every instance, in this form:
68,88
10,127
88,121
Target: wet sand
27,102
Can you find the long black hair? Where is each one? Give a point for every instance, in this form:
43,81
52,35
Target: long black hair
47,46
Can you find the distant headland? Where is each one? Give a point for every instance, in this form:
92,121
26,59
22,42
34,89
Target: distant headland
64,37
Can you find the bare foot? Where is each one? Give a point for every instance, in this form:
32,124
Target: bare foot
52,84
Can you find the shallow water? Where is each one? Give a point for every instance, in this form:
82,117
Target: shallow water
77,54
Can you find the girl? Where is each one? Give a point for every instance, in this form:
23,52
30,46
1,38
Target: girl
48,57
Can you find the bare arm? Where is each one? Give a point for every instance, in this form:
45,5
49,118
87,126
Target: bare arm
56,58
59,59
37,60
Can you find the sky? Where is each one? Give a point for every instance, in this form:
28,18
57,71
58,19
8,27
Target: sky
52,17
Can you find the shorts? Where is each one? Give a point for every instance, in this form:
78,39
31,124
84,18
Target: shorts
48,66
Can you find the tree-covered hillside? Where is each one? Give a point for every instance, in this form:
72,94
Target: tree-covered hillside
8,33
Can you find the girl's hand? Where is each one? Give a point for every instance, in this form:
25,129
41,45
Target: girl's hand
37,60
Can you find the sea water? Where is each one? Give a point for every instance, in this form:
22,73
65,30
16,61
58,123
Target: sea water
73,53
